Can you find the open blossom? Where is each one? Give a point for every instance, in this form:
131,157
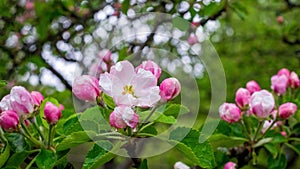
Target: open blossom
86,88
279,84
287,109
180,165
230,165
294,81
5,103
230,112
21,101
123,116
252,86
52,113
242,97
150,66
262,103
37,97
130,88
9,119
169,89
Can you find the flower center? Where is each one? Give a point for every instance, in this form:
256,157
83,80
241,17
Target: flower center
128,89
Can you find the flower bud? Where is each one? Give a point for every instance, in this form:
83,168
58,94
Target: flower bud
284,71
105,55
9,120
37,97
230,112
21,101
86,88
5,103
52,113
230,165
193,39
242,97
286,110
262,103
283,133
180,165
123,116
294,81
169,89
279,84
150,66
252,86
280,19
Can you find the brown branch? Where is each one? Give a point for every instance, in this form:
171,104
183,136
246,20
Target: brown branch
213,17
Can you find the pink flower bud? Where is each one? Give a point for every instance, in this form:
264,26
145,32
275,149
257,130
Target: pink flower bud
279,84
230,165
286,110
150,66
52,113
262,103
169,89
123,116
21,101
283,133
252,86
230,112
29,5
86,88
284,71
5,103
294,81
105,55
242,97
180,165
193,39
280,19
9,119
37,97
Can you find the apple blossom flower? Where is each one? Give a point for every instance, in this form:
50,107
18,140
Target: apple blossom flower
150,66
242,97
287,109
21,101
252,86
230,165
284,71
262,103
86,88
130,88
9,119
230,112
169,89
52,113
5,103
37,97
180,165
294,81
193,39
279,84
123,116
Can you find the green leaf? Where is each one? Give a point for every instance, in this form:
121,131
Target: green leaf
272,149
150,130
143,164
17,142
240,10
125,6
4,155
17,159
175,109
108,101
98,155
279,162
187,141
3,83
72,125
181,24
62,157
45,159
262,142
221,140
75,139
156,117
277,137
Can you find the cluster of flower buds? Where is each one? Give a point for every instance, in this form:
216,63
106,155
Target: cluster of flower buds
283,80
129,87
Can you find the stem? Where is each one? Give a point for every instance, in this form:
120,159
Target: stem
258,130
148,117
2,137
50,136
274,121
29,136
32,120
245,129
31,162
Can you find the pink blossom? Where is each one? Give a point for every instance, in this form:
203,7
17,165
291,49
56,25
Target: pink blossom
284,71
52,113
97,68
21,101
283,133
169,89
230,165
123,116
37,97
105,55
230,112
130,88
180,165
29,5
5,103
287,109
262,103
193,39
9,119
279,84
294,81
242,97
252,86
86,88
150,66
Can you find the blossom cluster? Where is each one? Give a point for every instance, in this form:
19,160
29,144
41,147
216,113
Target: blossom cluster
129,87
